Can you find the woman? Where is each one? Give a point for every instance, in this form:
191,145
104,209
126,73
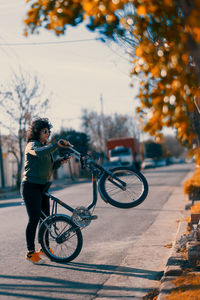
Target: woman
38,169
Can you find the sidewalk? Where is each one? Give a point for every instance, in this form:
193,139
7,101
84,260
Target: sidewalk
182,276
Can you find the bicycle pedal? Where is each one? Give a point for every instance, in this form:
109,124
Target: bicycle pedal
94,217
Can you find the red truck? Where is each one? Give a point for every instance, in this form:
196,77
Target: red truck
124,150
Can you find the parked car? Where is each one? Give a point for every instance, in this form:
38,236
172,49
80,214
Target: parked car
161,163
148,163
175,160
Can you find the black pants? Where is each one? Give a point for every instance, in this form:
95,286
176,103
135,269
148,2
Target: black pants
35,202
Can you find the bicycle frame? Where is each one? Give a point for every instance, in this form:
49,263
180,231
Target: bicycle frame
57,201
57,229
96,170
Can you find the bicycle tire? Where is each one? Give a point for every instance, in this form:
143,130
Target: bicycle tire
50,232
135,193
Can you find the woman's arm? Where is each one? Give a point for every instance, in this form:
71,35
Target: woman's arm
34,148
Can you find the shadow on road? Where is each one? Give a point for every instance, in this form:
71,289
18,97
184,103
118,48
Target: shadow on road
110,269
48,288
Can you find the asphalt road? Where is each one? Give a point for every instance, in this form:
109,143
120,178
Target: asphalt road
124,251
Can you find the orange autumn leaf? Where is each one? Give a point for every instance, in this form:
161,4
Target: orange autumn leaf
155,71
139,51
196,35
141,10
185,58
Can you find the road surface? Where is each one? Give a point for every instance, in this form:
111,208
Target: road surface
124,251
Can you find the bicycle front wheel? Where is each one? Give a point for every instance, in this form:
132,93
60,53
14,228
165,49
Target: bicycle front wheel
130,191
60,239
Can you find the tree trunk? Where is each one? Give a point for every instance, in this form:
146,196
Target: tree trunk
2,167
187,6
195,120
19,175
70,170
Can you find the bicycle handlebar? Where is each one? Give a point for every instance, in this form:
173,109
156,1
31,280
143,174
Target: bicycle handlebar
80,156
74,152
71,149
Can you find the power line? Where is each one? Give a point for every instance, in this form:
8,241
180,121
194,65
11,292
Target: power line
48,43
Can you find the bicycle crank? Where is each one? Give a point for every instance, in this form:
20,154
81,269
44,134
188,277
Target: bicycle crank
82,216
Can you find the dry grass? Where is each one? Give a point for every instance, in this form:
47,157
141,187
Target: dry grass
193,184
187,287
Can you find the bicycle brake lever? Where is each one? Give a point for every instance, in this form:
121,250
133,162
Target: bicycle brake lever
83,166
67,156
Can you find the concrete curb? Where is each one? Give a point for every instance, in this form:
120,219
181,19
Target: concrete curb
176,260
174,265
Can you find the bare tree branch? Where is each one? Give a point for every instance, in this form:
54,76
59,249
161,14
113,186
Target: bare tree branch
20,102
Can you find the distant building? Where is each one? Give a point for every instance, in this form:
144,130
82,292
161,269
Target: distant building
9,167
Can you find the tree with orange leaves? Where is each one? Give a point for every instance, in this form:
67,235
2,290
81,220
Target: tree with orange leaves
163,37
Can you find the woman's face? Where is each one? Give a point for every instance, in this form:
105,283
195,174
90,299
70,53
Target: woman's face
44,135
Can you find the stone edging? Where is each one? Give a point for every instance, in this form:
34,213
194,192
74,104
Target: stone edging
175,261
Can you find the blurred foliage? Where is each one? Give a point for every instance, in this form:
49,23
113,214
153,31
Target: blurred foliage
153,150
172,147
162,37
79,140
191,185
100,127
167,147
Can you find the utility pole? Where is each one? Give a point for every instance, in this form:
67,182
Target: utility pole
1,166
103,127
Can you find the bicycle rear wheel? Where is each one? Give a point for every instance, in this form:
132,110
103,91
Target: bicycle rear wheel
60,239
132,194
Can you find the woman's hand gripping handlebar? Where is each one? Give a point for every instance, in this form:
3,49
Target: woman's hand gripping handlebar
64,143
67,145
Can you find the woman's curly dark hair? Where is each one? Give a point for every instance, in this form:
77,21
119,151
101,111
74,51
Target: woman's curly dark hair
36,127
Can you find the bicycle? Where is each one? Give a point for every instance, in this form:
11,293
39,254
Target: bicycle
60,235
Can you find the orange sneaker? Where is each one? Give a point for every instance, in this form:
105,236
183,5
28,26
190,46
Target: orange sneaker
41,252
34,258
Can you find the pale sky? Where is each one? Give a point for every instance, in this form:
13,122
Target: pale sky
75,72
